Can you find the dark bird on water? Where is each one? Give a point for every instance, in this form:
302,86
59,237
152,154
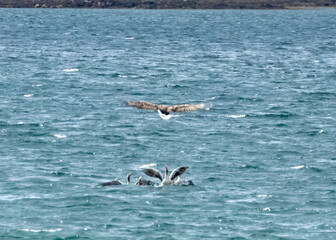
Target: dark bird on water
166,109
144,182
117,182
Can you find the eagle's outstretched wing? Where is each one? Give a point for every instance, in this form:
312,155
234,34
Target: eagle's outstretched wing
187,107
143,105
166,109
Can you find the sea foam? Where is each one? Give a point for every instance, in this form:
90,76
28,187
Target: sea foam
236,116
71,70
151,165
42,230
60,135
298,167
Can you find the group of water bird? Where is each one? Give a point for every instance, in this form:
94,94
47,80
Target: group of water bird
173,179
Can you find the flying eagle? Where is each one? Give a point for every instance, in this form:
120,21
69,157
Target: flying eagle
166,109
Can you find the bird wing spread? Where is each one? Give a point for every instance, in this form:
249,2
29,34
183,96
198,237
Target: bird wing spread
177,172
187,107
153,173
175,108
143,105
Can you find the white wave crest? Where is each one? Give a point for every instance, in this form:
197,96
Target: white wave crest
151,165
298,167
60,135
42,230
71,70
236,116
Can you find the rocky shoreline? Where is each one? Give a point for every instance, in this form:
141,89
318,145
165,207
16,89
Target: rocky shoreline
169,4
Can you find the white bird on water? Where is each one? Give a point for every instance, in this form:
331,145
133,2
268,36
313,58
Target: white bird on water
173,179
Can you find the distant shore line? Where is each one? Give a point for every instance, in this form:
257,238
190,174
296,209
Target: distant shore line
139,8
171,4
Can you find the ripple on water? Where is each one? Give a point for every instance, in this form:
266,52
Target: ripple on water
261,155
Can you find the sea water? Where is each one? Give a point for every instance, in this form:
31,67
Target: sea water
262,155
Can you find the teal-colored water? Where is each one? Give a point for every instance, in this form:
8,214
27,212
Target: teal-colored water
263,157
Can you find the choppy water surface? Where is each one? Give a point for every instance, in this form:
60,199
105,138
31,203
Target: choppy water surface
262,157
